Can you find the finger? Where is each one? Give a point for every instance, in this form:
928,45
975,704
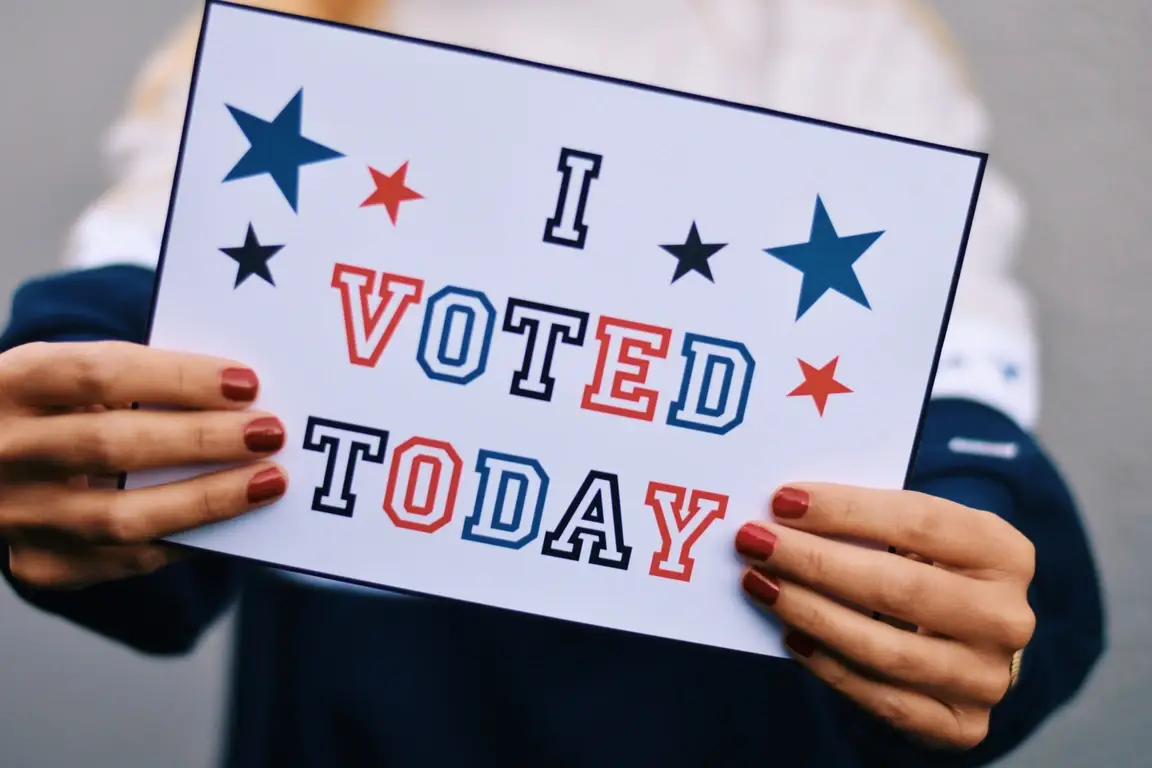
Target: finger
139,516
909,711
934,598
934,528
111,372
131,440
79,567
911,556
904,625
942,668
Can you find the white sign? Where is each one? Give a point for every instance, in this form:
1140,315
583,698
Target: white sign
544,340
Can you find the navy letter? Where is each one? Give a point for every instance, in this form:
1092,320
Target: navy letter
343,444
587,517
534,378
567,227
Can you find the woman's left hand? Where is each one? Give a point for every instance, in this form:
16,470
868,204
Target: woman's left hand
961,580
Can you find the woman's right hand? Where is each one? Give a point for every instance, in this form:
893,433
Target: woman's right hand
67,429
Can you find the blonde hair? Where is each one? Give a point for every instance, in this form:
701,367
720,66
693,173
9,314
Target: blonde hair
171,65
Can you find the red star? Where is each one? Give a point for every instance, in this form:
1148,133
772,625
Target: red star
391,191
819,383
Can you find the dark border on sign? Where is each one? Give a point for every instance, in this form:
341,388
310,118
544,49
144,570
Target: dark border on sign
208,4
946,317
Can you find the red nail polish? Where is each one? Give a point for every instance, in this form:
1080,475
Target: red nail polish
764,588
266,485
239,385
800,643
755,542
790,503
264,435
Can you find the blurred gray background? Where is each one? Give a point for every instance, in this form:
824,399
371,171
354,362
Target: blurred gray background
1069,83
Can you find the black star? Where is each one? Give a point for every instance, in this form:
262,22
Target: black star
693,255
253,258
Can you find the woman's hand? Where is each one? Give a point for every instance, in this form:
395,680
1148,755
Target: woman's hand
65,426
963,585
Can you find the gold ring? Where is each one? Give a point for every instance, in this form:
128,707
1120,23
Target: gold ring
1014,670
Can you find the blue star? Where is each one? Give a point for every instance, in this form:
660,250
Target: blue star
277,148
826,261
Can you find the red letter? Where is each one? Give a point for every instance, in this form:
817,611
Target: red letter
622,344
677,532
416,460
368,331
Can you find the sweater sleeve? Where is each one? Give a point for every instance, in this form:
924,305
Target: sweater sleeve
162,613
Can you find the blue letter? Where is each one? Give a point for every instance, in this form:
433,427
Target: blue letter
509,502
714,391
449,347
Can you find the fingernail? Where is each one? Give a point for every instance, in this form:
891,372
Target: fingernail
764,588
266,485
265,435
239,385
755,542
790,503
800,643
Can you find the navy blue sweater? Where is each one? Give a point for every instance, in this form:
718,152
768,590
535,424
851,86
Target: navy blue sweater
334,678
